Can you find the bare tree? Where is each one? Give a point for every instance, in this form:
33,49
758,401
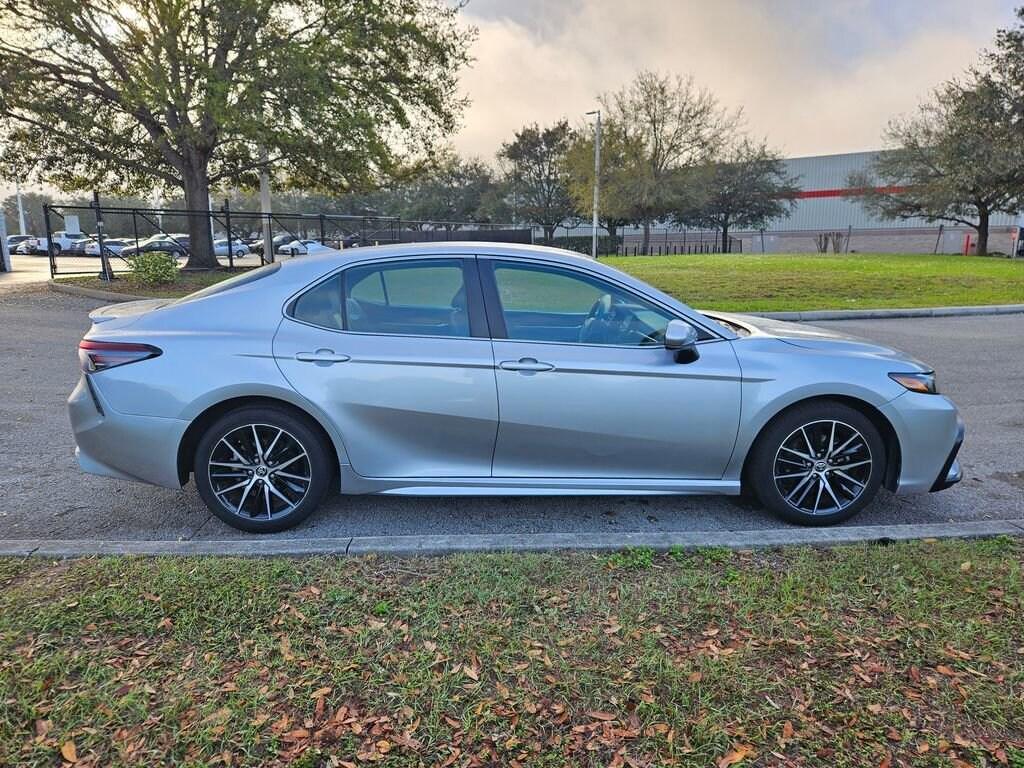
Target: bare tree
670,125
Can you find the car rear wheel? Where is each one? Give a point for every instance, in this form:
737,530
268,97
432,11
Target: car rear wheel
262,469
818,464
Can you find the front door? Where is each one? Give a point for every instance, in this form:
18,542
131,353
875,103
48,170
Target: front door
397,354
586,387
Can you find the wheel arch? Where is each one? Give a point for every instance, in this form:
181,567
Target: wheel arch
202,421
893,452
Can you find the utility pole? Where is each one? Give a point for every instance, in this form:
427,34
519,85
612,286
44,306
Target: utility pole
597,181
21,209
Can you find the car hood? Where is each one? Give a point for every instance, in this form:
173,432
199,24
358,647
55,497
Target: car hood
813,337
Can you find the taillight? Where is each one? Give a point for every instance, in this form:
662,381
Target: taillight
100,355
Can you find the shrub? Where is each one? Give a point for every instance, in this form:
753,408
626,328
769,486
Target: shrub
153,268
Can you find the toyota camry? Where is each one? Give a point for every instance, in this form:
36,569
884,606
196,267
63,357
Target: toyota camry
481,368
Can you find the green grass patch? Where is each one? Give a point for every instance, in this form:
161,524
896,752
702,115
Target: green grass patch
910,654
792,282
184,284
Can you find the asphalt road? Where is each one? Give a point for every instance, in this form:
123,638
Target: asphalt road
43,495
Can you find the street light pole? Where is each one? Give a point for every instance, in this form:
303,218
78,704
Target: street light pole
21,209
597,181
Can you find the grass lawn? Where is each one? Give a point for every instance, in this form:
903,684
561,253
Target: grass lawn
781,282
775,282
911,654
187,282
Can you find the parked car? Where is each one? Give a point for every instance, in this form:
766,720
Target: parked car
175,244
301,247
238,248
257,245
112,245
475,368
60,241
13,241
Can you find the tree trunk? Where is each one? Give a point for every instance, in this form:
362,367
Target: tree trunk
197,198
549,234
647,236
982,228
726,245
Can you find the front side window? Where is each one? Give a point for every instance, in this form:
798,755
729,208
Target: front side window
541,303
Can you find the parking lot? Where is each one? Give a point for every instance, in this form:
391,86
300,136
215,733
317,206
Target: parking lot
44,495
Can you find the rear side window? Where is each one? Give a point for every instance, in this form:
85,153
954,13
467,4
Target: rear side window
421,298
321,305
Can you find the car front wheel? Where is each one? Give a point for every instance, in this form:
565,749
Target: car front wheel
818,464
262,469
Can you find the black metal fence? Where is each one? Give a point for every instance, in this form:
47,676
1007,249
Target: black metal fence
105,236
661,241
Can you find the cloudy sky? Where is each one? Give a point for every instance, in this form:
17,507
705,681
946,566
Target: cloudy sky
813,77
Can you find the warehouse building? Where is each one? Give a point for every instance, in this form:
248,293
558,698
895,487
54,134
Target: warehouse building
826,210
824,205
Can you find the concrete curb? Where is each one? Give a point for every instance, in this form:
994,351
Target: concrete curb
806,316
881,314
443,545
94,293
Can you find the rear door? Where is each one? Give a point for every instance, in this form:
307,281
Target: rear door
586,387
397,353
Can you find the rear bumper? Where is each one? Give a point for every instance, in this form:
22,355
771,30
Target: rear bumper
951,473
143,448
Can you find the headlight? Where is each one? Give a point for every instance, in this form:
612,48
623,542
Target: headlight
917,382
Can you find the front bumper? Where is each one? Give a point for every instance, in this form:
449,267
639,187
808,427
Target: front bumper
143,448
930,432
951,473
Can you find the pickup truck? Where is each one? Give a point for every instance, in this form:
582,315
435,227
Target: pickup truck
60,241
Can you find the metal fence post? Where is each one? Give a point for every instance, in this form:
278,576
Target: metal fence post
49,240
106,273
323,231
227,224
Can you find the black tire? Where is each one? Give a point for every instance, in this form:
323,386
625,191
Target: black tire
851,476
224,441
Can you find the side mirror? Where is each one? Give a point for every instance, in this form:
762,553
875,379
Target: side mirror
681,338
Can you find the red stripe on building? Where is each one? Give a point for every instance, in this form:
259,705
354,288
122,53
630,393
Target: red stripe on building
809,194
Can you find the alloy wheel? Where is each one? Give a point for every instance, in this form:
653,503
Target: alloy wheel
822,467
259,471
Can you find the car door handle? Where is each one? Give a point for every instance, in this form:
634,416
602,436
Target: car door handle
525,364
325,356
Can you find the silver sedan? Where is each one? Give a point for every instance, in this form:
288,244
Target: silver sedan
480,369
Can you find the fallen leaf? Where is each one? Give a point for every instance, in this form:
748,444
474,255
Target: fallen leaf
695,677
787,730
69,752
737,755
286,648
604,716
965,567
320,692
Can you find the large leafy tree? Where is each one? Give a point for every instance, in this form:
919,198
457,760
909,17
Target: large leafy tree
615,205
451,190
746,186
122,95
537,172
957,159
671,125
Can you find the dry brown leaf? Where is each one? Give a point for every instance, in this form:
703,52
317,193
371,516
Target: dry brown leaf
736,756
286,648
69,752
320,692
695,677
787,730
604,716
